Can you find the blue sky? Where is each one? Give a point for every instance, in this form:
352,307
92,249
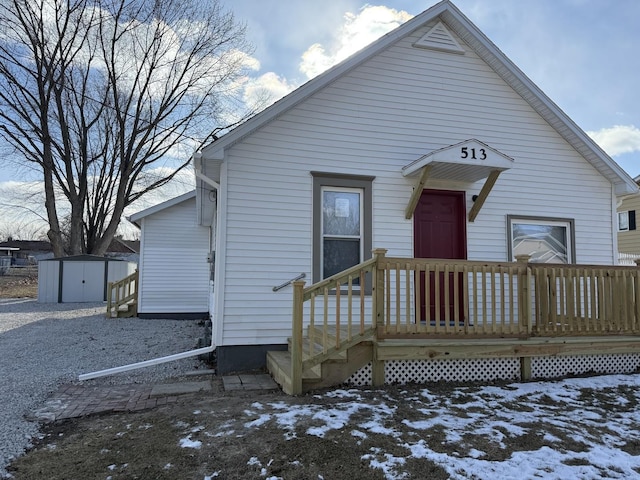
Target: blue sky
582,53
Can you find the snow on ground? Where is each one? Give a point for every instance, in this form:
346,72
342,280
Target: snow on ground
601,423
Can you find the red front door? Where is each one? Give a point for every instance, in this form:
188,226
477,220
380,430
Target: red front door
439,231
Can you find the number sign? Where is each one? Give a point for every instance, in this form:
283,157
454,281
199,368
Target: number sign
466,152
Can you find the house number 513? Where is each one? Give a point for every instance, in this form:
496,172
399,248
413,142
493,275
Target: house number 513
466,152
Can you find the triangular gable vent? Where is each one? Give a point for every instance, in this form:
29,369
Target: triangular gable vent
439,38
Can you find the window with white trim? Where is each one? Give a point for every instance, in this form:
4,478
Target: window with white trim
626,220
545,240
342,214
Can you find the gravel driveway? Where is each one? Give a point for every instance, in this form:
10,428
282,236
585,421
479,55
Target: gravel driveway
45,345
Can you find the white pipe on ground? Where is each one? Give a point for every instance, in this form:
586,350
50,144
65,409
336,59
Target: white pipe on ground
146,363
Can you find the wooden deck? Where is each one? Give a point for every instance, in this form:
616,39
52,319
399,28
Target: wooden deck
425,309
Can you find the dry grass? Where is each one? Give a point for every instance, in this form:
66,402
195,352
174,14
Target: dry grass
564,429
19,282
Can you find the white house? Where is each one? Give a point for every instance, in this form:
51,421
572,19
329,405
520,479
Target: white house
173,269
429,142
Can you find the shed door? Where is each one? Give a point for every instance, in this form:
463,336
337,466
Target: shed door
440,232
82,282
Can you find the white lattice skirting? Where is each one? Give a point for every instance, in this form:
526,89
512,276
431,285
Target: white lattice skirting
485,370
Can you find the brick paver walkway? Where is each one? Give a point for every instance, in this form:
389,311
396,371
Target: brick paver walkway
71,401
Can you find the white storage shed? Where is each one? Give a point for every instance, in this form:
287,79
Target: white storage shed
81,278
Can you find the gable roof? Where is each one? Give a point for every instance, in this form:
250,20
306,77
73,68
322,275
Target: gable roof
119,245
136,217
457,22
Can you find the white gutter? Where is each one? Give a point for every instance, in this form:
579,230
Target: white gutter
146,363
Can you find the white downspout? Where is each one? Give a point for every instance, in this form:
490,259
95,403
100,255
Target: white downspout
169,358
146,363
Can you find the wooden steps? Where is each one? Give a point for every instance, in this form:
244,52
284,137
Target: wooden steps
330,372
311,349
329,357
122,297
126,310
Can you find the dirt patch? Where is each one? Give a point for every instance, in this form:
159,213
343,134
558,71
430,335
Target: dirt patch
354,433
19,282
227,436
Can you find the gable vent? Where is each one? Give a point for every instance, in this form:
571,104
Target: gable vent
439,38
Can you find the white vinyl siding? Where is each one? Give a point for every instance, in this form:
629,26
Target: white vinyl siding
174,273
381,116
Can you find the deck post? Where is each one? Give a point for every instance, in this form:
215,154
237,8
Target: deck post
377,368
377,294
524,286
109,289
636,314
377,307
296,340
525,369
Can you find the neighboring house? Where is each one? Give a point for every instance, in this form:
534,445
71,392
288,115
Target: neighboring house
24,252
128,250
628,230
429,142
174,271
9,252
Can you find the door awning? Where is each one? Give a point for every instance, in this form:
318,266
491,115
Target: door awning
469,161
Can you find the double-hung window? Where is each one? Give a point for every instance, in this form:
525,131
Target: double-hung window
341,222
342,245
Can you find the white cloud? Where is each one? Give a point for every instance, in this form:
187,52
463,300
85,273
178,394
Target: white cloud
618,140
266,89
245,60
358,31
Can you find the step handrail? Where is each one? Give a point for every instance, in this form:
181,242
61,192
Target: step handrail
282,285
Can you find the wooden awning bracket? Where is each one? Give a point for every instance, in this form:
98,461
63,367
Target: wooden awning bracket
484,193
477,205
417,191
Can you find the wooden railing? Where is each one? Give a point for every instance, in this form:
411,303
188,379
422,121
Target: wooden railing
437,298
121,293
432,297
337,315
586,300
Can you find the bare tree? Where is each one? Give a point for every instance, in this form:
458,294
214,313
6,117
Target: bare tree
98,93
22,230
